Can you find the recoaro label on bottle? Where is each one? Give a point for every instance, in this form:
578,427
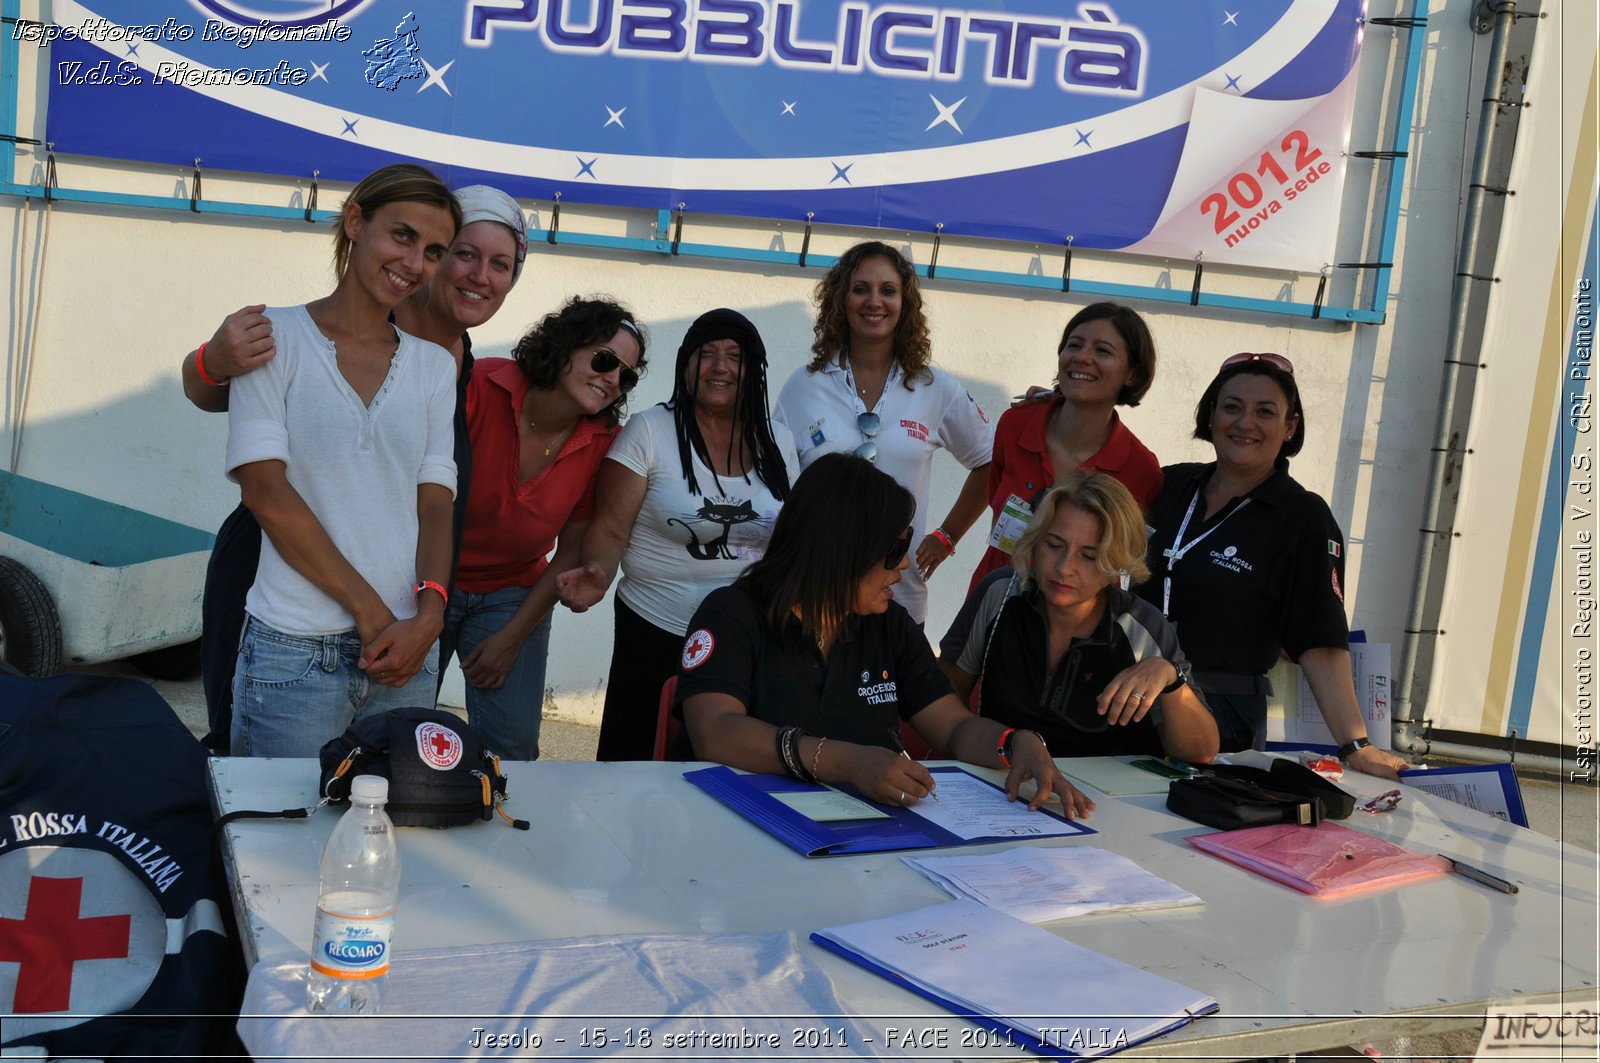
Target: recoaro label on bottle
351,947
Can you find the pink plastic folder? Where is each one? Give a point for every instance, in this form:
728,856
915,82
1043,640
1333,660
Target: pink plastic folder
1325,861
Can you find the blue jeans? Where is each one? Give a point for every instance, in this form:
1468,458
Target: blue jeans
293,693
507,719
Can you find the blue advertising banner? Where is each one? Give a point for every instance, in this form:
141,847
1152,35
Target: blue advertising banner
1163,127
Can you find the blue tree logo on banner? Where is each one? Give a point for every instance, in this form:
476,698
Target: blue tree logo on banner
395,59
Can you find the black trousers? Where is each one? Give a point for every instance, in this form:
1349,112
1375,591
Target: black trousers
1238,701
229,574
643,658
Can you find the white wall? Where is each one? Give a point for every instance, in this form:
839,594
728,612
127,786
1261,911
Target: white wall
126,292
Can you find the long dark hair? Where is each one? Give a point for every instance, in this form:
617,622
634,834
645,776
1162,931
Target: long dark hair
840,520
750,402
544,352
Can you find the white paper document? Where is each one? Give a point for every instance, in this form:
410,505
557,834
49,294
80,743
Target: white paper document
1043,885
969,808
983,961
829,806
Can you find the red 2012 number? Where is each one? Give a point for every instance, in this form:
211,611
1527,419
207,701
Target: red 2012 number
1244,191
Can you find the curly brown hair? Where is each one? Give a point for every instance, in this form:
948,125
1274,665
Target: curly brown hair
544,352
912,347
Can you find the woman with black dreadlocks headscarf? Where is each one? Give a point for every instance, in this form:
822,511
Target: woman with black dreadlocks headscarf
686,499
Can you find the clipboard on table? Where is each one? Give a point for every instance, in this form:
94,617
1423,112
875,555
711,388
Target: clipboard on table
1490,788
979,994
896,829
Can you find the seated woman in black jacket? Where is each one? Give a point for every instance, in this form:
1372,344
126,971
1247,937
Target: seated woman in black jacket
1062,649
806,665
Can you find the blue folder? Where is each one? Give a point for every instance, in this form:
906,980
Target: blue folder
1015,1036
751,797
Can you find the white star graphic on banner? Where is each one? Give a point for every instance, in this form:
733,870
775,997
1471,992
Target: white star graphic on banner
614,117
1231,18
788,108
319,70
436,76
947,115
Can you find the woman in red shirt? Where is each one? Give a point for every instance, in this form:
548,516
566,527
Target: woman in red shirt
541,421
1106,359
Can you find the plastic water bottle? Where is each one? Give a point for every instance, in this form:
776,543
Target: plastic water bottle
355,905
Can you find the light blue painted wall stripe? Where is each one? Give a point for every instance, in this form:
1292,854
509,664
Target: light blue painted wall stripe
90,529
1549,546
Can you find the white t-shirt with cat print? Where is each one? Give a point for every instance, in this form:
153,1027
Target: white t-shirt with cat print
686,544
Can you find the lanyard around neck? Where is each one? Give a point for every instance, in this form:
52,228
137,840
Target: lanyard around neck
855,395
1180,549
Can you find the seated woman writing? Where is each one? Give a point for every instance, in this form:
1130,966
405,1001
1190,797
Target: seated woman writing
1062,650
806,665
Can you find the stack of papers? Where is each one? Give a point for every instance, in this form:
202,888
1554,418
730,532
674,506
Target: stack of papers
1039,991
1326,860
1043,885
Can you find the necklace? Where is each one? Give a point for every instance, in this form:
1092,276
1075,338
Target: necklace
533,427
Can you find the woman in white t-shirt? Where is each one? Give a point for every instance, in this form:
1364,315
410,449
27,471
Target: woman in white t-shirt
871,389
685,500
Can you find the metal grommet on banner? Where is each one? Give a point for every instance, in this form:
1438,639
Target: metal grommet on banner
933,259
1066,268
311,199
1199,271
555,221
1322,288
805,242
677,228
194,187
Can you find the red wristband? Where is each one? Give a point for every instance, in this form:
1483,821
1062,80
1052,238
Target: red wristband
200,367
944,540
430,585
1000,749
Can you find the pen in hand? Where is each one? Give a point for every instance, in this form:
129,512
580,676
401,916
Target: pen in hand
894,736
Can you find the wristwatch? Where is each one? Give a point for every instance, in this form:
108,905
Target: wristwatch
1348,750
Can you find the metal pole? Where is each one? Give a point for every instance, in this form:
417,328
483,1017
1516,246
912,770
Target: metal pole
1442,466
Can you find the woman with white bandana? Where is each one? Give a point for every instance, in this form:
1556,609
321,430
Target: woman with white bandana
479,269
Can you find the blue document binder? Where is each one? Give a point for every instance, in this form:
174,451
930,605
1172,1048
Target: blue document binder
751,797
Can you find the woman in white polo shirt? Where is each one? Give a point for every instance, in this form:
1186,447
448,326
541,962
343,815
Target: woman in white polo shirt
871,389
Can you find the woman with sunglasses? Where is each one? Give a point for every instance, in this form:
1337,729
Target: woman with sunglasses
541,422
871,389
686,501
808,663
1061,646
1106,359
1249,565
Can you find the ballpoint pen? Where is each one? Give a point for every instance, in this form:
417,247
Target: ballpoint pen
894,736
1483,877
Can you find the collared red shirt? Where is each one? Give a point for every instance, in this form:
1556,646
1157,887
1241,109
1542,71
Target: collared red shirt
1021,466
1267,578
879,673
512,524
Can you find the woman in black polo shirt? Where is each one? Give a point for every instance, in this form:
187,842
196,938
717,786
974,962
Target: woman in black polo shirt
1247,564
1061,649
806,665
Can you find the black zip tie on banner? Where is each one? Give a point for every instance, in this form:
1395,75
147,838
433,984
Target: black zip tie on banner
50,183
194,189
555,221
933,259
1410,23
17,140
1512,748
805,242
1199,271
1322,289
1381,155
1066,268
311,199
1479,277
677,227
1492,190
1366,265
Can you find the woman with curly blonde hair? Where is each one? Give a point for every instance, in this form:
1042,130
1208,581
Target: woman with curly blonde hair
871,389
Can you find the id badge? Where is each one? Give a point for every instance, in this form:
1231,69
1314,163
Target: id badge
1013,520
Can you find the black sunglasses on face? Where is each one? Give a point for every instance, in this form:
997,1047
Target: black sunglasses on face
897,551
604,361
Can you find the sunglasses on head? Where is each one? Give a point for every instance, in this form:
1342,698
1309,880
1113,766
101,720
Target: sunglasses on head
898,550
868,425
606,360
1277,361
